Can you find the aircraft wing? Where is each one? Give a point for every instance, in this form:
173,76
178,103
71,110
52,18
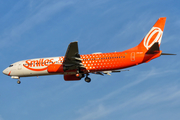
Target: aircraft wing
72,59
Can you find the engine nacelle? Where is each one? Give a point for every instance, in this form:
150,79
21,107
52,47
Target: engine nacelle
71,77
55,68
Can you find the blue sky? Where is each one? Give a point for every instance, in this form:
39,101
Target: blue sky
36,28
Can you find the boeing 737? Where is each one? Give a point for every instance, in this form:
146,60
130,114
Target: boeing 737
75,66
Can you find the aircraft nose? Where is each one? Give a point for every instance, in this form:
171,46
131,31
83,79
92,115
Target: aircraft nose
5,72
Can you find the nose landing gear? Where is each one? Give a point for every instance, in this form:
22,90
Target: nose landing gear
18,82
16,77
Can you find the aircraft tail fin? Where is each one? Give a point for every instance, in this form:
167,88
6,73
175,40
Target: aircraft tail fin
152,40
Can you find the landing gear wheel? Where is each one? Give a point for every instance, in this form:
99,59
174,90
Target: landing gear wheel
87,79
18,82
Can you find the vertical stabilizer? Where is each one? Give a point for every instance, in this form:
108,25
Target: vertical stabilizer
153,36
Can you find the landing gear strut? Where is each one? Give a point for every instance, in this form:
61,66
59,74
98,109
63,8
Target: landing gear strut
87,79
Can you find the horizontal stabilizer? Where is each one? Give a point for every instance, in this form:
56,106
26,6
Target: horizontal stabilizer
109,72
167,54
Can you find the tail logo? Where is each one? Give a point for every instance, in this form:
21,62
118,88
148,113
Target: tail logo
154,35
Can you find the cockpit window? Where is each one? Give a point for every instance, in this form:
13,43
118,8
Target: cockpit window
10,65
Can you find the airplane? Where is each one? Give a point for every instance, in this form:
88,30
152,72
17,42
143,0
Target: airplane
75,66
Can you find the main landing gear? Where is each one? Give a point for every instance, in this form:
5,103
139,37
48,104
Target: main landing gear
87,79
81,75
